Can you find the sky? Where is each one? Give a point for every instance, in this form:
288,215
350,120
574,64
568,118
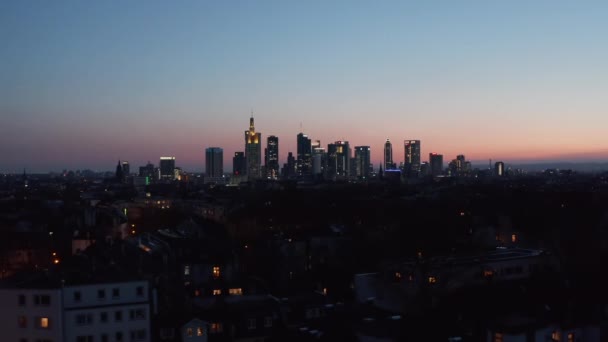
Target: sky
86,83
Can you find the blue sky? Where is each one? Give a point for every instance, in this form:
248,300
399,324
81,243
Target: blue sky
85,83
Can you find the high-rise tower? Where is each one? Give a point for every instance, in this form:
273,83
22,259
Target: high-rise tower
214,162
411,164
253,151
304,161
271,157
388,155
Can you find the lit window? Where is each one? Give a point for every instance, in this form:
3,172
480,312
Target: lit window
498,337
488,273
216,328
432,280
556,336
570,337
216,271
397,275
235,292
199,331
187,270
189,332
43,322
217,292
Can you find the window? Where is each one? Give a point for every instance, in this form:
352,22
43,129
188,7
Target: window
101,294
235,292
77,296
556,336
216,272
488,273
514,238
118,336
138,335
432,280
115,292
21,300
251,324
43,323
139,291
103,317
137,314
217,292
189,332
118,316
571,337
199,331
42,300
216,328
268,322
187,270
498,337
22,320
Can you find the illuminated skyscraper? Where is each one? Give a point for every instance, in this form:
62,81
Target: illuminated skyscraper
253,151
239,164
436,164
319,160
499,169
388,155
338,160
167,168
362,161
214,162
304,161
411,162
271,157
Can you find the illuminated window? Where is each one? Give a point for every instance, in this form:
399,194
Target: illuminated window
199,331
189,332
43,322
217,292
216,271
570,337
397,275
216,328
498,337
187,270
432,280
513,237
235,292
488,273
556,336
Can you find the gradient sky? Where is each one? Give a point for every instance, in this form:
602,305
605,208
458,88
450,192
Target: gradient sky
84,83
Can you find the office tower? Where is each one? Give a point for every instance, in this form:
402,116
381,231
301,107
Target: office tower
253,151
120,176
425,169
411,165
239,164
457,166
289,168
499,169
126,170
388,155
342,158
362,161
271,157
214,162
304,162
319,161
436,164
167,168
147,171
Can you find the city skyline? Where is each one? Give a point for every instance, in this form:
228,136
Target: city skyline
84,85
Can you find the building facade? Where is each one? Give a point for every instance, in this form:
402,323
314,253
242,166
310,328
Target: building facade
253,152
167,168
271,157
411,162
214,162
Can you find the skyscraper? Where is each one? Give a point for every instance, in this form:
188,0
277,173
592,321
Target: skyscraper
214,162
253,151
342,151
239,164
271,157
362,161
126,170
436,164
388,155
319,161
167,168
411,165
499,169
304,161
